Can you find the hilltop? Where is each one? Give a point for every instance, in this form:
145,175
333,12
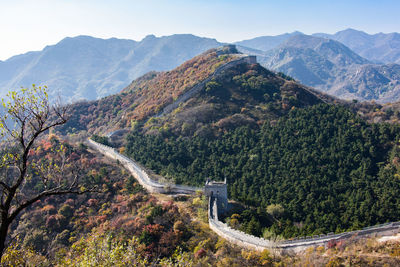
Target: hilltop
243,93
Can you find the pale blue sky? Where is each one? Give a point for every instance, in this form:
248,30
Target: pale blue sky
27,25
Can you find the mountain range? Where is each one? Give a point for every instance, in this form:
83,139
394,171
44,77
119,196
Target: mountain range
273,139
84,67
379,48
332,67
349,64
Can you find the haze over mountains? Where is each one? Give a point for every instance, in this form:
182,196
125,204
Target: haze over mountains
380,47
349,64
332,67
84,67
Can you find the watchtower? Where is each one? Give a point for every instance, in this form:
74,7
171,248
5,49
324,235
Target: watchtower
219,191
251,59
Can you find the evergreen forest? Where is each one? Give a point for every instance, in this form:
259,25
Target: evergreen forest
327,170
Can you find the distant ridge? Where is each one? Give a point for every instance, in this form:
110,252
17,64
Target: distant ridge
379,47
85,67
332,67
266,43
347,64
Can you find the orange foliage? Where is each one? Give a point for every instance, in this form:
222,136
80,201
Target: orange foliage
49,209
151,95
46,145
146,95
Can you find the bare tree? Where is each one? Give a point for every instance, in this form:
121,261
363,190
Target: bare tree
26,116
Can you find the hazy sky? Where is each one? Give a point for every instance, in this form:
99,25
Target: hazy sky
27,25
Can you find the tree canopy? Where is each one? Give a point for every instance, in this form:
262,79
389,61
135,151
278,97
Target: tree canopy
330,170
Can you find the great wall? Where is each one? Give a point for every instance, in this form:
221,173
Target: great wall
216,191
140,174
197,88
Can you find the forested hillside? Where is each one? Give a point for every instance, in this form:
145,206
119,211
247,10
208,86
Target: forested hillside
297,162
119,224
329,169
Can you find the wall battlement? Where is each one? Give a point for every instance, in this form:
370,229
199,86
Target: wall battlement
256,243
198,87
218,203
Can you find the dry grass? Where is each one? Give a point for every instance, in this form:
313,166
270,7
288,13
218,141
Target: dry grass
361,252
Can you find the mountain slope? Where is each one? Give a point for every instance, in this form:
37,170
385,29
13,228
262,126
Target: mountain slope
334,51
380,47
276,143
247,92
332,67
146,95
265,43
84,67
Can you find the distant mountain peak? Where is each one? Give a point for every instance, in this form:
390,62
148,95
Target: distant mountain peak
265,43
351,30
379,47
149,37
86,67
295,33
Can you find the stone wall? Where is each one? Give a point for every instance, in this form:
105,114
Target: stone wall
251,242
140,174
198,87
234,236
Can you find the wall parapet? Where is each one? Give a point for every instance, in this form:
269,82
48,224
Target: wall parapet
252,242
140,174
198,87
222,229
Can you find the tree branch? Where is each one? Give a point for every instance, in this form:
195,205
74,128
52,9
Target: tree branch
29,146
4,185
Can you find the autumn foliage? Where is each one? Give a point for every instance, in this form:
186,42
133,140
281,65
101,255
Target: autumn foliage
146,95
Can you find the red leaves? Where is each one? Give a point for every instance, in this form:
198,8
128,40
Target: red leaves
338,244
92,202
46,145
200,253
74,157
153,229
